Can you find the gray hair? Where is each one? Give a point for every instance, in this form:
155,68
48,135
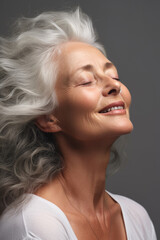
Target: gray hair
28,70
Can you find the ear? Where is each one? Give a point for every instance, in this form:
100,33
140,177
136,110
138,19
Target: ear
48,123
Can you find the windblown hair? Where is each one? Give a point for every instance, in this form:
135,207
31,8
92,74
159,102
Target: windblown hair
28,70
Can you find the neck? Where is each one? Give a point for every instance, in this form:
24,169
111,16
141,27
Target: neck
84,173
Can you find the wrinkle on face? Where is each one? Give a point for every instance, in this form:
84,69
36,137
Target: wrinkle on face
79,104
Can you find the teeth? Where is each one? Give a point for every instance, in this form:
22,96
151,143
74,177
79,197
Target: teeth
112,108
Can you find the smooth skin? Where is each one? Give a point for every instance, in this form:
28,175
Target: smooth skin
87,82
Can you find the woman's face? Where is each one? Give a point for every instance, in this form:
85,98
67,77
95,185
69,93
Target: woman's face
87,88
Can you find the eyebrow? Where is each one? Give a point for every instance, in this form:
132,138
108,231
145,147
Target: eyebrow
89,67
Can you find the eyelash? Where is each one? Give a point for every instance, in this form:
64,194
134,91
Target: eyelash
117,79
87,83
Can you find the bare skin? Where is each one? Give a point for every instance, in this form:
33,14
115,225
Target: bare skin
84,136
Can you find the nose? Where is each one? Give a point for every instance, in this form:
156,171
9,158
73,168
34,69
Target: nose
111,87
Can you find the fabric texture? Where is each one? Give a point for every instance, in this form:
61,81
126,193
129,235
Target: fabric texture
40,219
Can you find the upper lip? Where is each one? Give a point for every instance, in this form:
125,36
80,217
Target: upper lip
114,104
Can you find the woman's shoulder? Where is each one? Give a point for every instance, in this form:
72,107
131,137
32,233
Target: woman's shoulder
131,206
135,216
37,219
129,203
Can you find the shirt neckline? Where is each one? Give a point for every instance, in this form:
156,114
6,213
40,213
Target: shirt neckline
116,198
113,196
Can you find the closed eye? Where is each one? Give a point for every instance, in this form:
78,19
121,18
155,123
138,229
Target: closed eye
118,79
86,83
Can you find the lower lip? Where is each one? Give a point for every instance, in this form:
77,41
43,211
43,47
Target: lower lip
115,112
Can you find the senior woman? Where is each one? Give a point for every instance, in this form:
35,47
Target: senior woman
62,108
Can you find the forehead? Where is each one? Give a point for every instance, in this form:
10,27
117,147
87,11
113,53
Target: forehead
77,54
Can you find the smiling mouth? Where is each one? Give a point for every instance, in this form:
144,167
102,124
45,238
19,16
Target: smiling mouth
111,109
116,107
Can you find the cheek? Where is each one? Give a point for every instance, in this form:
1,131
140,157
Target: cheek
81,101
86,99
75,106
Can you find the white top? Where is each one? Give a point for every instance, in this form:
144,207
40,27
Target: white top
40,219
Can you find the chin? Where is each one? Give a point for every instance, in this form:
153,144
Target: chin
123,128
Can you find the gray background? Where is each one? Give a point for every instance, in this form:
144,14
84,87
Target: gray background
130,32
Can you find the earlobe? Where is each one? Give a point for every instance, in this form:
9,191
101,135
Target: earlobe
48,123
